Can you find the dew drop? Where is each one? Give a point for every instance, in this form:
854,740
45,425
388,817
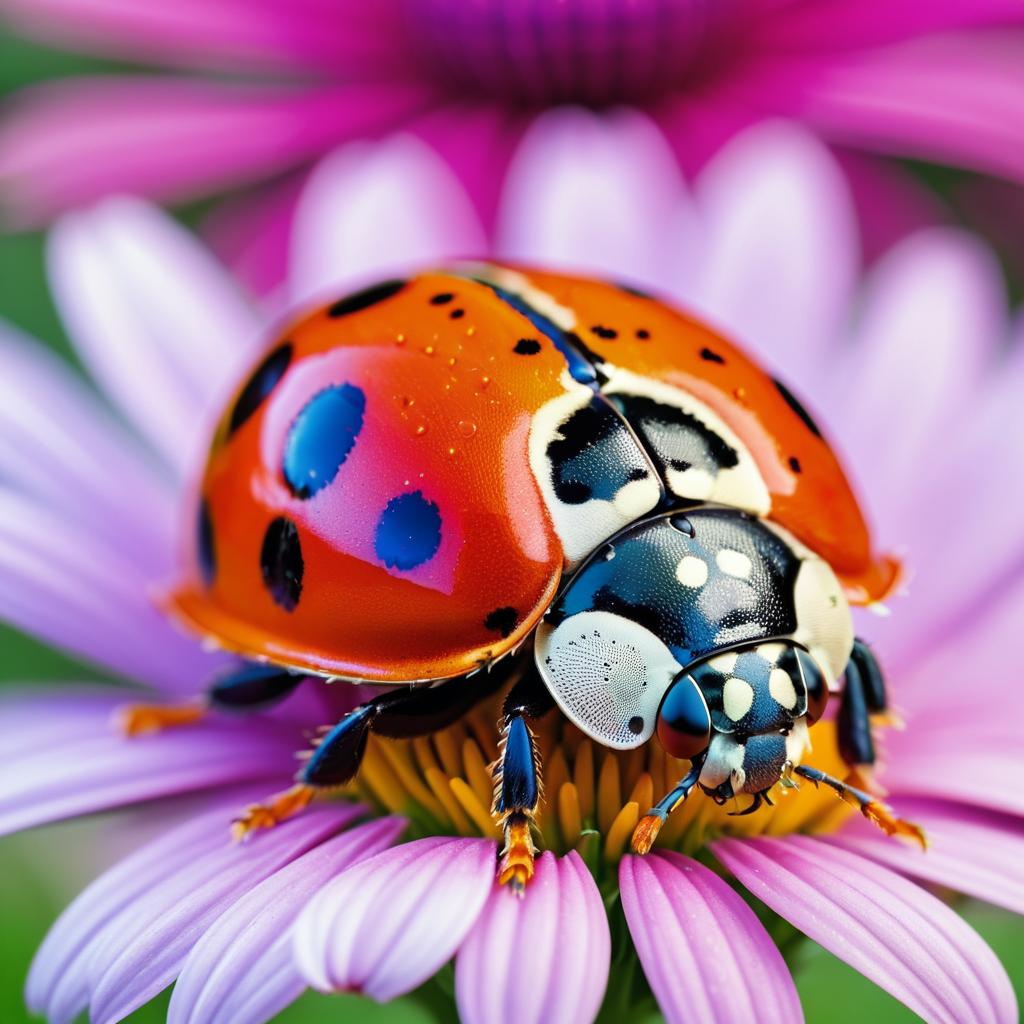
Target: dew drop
467,428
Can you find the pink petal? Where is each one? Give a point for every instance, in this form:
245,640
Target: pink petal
849,24
596,193
776,210
299,35
57,986
386,925
935,300
973,851
57,439
373,209
477,141
160,325
703,950
542,958
68,143
251,233
952,99
67,761
242,967
78,592
140,950
892,931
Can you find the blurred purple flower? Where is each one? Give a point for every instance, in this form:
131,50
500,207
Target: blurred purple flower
252,92
915,370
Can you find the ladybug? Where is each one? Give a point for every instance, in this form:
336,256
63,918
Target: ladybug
488,475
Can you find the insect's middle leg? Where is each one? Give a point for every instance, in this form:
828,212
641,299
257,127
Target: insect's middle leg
247,687
863,696
398,714
517,778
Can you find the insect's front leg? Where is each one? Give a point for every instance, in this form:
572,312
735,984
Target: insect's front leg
249,687
336,756
517,778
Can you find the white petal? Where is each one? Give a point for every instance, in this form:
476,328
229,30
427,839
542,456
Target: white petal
600,194
781,251
160,325
376,209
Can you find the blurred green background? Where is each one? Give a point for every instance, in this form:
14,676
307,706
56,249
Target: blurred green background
42,870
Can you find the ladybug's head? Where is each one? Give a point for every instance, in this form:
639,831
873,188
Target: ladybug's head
745,713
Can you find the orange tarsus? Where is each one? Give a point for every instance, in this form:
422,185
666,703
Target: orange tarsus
278,808
645,833
517,861
141,719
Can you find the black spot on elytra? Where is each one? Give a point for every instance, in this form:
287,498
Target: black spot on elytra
527,347
442,298
794,464
321,438
263,380
205,551
457,314
636,725
711,356
643,334
793,402
605,332
281,563
501,619
367,297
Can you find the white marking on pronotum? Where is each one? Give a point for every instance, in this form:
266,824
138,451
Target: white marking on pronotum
734,563
692,571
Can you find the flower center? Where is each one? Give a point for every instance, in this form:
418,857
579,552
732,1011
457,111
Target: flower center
593,796
542,51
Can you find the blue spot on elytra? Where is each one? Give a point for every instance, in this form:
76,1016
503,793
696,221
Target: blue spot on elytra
321,438
408,531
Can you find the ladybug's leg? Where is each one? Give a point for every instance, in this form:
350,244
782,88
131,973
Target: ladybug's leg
250,687
863,696
649,826
398,714
517,785
872,809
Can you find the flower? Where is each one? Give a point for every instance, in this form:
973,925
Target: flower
376,894
248,95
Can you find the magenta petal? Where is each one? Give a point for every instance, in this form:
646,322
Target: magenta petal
68,143
971,850
681,913
299,35
542,958
386,925
889,929
57,987
71,760
242,968
141,950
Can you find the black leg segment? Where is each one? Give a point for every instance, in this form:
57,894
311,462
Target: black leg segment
252,687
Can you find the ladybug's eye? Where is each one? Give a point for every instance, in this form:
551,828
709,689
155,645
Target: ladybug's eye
684,722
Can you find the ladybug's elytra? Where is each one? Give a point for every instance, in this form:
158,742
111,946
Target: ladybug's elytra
563,482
